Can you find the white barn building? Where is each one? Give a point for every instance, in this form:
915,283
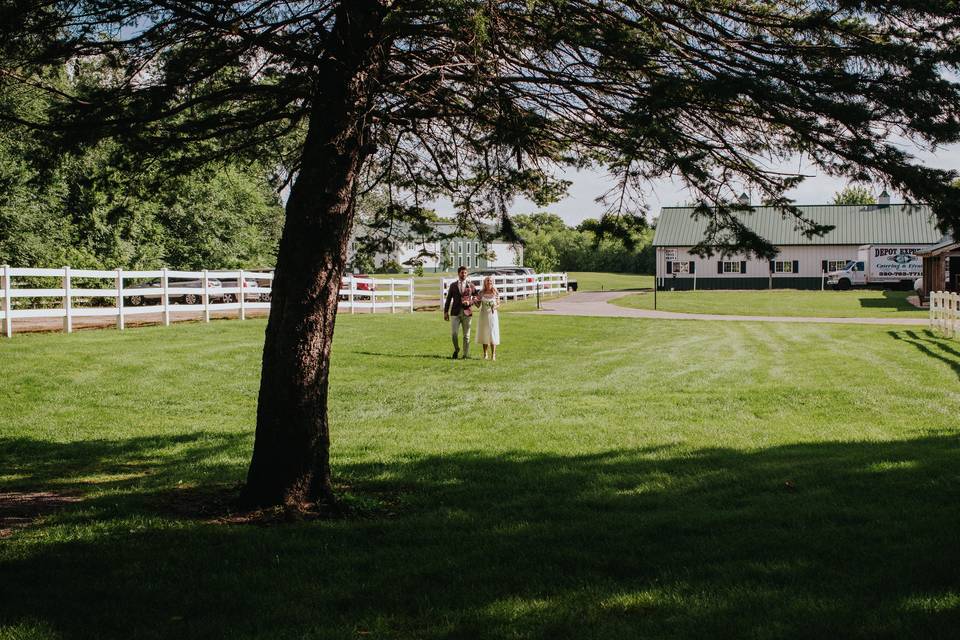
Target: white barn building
801,261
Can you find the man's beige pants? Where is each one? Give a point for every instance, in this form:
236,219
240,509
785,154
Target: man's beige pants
456,322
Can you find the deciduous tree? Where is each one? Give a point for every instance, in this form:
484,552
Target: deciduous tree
854,194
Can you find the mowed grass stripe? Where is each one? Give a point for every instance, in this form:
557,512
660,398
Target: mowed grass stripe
862,303
605,478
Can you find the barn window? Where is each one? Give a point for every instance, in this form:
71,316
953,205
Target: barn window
783,266
835,265
732,267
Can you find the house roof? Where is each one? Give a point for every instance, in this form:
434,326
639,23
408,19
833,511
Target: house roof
946,245
853,225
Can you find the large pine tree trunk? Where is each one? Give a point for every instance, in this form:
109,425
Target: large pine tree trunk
291,459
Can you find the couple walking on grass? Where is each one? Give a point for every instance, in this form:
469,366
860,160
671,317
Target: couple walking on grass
462,297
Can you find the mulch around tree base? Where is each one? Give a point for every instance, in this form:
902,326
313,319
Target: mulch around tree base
219,504
213,504
20,509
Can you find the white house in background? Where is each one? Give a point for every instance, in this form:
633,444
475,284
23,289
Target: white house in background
801,261
449,253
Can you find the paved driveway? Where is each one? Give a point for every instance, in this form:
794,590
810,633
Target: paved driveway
596,303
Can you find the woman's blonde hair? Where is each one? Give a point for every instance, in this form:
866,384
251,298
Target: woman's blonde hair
492,288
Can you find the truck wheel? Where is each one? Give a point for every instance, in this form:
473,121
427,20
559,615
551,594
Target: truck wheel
136,301
843,284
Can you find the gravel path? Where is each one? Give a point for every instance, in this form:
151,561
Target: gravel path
595,303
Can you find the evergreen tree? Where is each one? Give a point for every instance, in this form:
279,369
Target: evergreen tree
479,101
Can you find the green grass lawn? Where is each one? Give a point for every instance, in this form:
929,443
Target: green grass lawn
782,302
606,478
596,281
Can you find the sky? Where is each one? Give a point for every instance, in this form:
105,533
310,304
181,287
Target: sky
587,185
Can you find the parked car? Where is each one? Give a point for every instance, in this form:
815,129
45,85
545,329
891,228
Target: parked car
185,298
483,273
231,283
359,286
517,271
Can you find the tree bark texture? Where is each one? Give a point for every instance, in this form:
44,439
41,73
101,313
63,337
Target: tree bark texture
291,454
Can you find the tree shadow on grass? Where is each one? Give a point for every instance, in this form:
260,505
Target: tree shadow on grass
854,539
150,461
418,356
930,344
893,300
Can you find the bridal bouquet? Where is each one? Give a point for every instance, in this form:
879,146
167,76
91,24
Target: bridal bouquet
489,306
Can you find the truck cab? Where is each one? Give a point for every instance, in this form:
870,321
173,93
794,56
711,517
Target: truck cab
853,274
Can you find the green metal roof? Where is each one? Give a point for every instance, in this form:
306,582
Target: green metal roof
854,225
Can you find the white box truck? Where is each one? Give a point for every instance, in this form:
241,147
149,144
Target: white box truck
892,265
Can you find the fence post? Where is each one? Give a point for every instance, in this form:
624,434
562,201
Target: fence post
164,283
933,306
955,315
120,322
945,314
373,296
350,292
410,285
393,296
942,312
7,320
243,298
67,301
206,296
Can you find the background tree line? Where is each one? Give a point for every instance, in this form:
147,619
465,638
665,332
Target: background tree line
98,206
551,245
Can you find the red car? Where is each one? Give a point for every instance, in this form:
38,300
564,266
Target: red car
358,286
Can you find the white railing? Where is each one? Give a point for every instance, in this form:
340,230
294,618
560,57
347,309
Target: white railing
515,287
370,294
945,312
121,294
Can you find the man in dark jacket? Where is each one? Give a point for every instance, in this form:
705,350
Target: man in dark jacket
458,309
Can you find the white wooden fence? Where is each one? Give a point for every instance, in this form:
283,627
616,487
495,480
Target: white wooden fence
945,312
122,294
514,287
370,294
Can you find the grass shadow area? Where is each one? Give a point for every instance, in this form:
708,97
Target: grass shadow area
133,463
830,539
890,301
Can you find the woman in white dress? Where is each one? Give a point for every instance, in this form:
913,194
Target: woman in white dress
488,328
